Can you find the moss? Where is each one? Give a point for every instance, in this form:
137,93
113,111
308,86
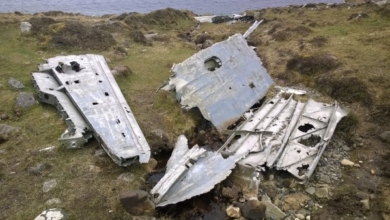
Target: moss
312,65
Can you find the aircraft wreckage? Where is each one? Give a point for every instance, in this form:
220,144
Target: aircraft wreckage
85,93
290,131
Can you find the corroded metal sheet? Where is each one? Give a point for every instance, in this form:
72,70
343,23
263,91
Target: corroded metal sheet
289,132
88,98
223,81
191,172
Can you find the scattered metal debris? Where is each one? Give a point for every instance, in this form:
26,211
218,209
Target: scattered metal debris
223,81
289,132
89,100
191,172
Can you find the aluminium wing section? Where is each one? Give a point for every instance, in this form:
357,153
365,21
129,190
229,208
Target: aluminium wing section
191,172
223,81
92,89
289,132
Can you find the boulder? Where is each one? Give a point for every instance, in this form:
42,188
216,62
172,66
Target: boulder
49,185
254,209
15,83
6,132
322,192
272,211
37,170
294,201
53,201
207,43
347,163
385,136
137,203
52,214
230,193
126,177
121,71
25,26
24,101
233,212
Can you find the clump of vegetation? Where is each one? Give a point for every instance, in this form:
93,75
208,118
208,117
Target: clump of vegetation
312,65
349,89
283,35
40,25
139,37
319,41
201,38
349,124
76,35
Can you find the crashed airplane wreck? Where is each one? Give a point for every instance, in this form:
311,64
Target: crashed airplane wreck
290,131
85,93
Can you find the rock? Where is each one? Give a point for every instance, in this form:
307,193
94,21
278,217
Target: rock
346,148
137,203
310,190
47,149
293,201
269,188
15,83
53,201
322,192
37,170
6,132
230,193
121,71
24,101
49,185
346,162
385,136
126,177
25,26
308,217
362,195
356,165
94,169
233,212
100,153
4,117
366,204
207,43
372,172
300,216
254,209
52,214
272,211
151,165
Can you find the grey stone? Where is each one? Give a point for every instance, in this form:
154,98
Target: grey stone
322,192
137,202
207,43
310,190
49,185
272,211
25,26
362,195
300,216
230,193
121,71
15,83
324,178
254,209
25,100
6,132
47,149
385,136
346,148
100,153
53,201
37,170
4,117
366,204
127,177
347,163
233,212
52,214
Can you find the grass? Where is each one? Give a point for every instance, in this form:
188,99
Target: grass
358,46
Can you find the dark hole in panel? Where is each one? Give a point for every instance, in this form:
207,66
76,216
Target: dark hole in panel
306,127
97,74
312,141
75,66
252,85
67,83
303,169
212,63
106,93
77,81
123,134
118,121
46,96
95,103
100,81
